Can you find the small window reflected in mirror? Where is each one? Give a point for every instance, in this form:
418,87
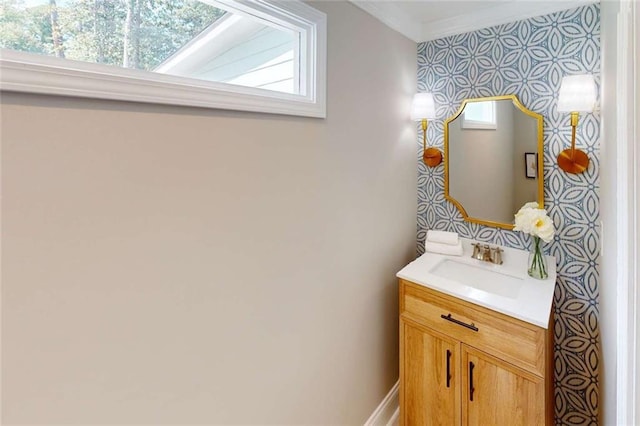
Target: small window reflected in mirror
480,115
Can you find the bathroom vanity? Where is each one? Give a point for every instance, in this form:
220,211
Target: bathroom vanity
476,341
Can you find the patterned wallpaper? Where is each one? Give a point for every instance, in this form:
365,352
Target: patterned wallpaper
529,58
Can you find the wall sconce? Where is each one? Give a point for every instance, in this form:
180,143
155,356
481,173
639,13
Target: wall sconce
577,94
423,108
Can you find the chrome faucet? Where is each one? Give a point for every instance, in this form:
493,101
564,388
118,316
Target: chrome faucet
487,253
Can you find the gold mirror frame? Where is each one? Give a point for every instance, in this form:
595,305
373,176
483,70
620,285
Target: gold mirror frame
540,155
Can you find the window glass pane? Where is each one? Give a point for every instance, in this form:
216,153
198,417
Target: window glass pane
187,38
239,50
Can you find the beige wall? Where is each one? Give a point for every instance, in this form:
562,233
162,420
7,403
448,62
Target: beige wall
168,265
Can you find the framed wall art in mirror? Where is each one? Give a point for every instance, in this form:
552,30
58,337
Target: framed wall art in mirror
485,142
531,165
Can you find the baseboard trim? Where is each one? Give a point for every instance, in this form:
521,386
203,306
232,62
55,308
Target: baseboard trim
387,413
395,419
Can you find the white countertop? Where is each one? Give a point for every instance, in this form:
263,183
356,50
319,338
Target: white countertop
531,303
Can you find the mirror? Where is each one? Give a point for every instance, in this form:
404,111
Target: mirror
493,159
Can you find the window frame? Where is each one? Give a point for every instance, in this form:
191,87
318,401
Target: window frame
33,73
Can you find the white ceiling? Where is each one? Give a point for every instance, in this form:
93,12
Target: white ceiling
423,20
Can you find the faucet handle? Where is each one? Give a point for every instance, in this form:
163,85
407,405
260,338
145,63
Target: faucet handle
496,255
476,251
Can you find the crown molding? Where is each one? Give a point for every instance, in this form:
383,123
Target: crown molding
503,14
395,17
392,16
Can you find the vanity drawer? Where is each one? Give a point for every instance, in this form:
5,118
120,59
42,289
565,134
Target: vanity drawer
520,343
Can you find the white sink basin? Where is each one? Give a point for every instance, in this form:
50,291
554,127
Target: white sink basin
479,277
503,288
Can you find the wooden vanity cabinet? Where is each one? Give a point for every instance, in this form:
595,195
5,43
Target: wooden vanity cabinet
431,381
462,364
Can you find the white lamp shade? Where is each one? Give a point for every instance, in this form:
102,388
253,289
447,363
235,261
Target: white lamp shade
577,93
423,107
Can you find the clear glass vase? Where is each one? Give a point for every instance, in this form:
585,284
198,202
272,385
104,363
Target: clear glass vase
537,265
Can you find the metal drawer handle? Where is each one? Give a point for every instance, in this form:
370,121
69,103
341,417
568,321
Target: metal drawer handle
471,388
464,324
448,368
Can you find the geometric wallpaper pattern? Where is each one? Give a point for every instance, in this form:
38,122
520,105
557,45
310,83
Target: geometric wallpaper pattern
528,58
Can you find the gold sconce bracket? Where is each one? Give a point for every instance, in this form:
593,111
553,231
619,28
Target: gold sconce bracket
573,160
431,156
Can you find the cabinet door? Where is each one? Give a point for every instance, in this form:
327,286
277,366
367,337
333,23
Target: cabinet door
429,377
497,393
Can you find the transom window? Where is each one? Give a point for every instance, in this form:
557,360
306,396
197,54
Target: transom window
273,50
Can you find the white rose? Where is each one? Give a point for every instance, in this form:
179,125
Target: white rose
532,220
525,219
543,227
529,205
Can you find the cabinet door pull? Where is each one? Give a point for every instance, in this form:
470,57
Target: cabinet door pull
471,326
448,368
471,388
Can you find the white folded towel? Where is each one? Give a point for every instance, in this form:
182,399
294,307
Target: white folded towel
443,237
452,250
